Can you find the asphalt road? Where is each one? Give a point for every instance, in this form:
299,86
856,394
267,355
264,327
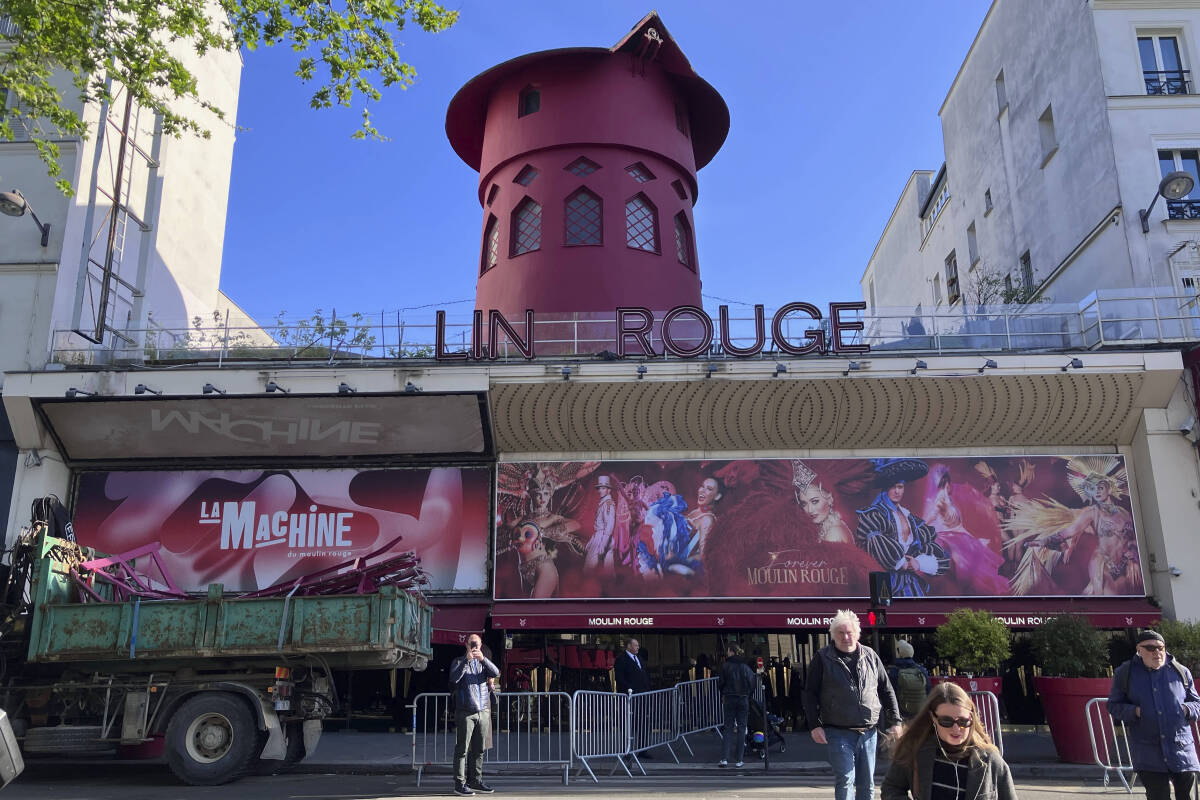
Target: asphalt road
63,782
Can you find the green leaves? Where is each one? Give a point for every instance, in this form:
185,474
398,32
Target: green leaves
1069,646
973,641
346,47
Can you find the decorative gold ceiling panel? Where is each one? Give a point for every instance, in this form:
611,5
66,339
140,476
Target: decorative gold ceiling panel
729,413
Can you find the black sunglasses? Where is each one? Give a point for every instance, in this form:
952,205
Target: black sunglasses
950,722
1153,648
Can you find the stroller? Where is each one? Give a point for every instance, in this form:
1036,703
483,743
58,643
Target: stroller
762,730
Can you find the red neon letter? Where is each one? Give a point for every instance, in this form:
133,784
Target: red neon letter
817,345
705,341
837,325
496,321
439,337
638,333
760,333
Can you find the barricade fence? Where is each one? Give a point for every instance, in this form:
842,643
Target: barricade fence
602,728
699,708
1110,743
526,728
654,722
987,706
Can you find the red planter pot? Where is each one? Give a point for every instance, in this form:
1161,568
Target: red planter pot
1064,701
971,684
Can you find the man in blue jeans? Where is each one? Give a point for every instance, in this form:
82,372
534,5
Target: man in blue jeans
847,698
737,684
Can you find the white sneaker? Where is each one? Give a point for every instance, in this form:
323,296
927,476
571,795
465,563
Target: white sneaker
722,763
740,764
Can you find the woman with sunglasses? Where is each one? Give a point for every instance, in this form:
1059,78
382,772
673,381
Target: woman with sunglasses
944,754
1155,696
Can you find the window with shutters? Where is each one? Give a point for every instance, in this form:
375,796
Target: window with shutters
491,245
584,218
641,224
526,227
683,242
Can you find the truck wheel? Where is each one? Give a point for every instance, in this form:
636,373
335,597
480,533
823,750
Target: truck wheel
211,739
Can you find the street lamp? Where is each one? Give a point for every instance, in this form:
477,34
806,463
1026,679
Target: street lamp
1173,186
14,204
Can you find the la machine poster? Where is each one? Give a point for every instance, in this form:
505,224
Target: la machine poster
249,529
1024,526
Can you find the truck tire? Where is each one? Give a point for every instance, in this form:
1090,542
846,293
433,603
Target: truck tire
295,744
211,739
59,739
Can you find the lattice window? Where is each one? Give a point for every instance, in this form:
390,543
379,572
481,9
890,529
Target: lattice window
492,193
640,172
683,241
527,227
491,245
582,167
584,217
641,224
679,190
526,175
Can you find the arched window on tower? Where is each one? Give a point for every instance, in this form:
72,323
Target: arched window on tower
529,102
584,215
526,227
641,224
683,242
491,245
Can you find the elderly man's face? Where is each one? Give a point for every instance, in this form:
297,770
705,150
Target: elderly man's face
1153,653
845,637
632,646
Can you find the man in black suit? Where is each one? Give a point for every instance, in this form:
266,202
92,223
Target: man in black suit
631,676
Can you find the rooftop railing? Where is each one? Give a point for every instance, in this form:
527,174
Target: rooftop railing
1106,319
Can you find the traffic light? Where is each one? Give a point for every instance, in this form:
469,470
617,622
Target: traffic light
876,618
881,589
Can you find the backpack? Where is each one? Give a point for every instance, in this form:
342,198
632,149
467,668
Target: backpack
910,689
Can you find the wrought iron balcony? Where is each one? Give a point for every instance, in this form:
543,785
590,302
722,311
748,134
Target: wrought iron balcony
1172,81
8,28
1183,209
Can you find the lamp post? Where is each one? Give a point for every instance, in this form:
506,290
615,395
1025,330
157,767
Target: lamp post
14,204
1173,186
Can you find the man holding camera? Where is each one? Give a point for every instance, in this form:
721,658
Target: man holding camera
469,681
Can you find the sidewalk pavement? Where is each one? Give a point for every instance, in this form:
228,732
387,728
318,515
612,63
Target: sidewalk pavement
1028,750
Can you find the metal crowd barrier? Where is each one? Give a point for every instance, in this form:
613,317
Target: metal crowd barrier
653,722
700,709
1110,744
527,728
601,728
988,709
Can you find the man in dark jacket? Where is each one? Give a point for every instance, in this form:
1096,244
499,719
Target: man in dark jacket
910,680
1155,697
736,683
847,697
630,674
469,681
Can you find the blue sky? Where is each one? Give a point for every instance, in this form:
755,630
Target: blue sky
832,106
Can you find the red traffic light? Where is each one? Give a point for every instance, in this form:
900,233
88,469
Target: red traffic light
871,618
876,618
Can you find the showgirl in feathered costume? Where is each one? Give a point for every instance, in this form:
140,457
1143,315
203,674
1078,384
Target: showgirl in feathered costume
1052,533
526,501
968,531
675,544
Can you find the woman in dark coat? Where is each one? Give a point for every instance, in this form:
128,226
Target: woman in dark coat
1156,698
945,754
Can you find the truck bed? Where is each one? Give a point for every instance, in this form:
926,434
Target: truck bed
388,628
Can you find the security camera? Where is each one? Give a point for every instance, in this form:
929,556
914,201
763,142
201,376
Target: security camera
1175,572
1186,426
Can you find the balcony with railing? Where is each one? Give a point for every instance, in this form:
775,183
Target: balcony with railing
8,28
1183,209
1110,319
1171,81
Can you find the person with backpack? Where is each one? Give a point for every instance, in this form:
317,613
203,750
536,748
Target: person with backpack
910,680
1155,696
736,683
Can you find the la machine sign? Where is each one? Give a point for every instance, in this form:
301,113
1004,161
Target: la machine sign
685,331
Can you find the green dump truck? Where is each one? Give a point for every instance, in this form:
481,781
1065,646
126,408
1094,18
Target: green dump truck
220,681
